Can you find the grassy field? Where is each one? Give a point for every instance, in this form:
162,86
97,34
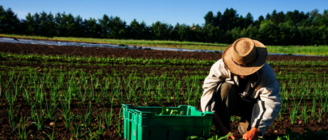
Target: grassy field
82,96
306,50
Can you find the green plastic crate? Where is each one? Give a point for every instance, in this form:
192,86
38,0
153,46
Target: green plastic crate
141,124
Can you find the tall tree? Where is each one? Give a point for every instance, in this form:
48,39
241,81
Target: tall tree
258,21
325,14
268,16
184,32
248,20
229,19
29,24
217,19
91,27
61,22
134,29
37,24
274,17
3,20
281,17
104,23
314,13
144,31
116,28
44,25
70,25
161,31
209,18
9,21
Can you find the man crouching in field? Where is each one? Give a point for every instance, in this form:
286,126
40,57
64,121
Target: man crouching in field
242,84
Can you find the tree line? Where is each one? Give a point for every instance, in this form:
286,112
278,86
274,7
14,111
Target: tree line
277,28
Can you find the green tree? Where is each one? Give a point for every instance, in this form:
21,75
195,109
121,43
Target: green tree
134,29
184,32
217,21
61,21
258,21
70,25
267,17
209,18
104,24
116,28
91,28
145,31
161,31
9,22
314,13
274,17
248,20
229,19
29,24
32,23
2,20
47,25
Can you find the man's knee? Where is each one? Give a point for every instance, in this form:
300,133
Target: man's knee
226,89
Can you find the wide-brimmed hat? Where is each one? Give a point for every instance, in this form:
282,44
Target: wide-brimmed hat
245,56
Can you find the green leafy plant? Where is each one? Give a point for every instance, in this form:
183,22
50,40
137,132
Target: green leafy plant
22,131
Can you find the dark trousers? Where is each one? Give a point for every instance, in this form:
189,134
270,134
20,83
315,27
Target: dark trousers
229,102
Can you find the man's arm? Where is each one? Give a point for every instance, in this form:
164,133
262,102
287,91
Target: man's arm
269,103
217,75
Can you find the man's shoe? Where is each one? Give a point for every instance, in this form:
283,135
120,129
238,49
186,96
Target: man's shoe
243,126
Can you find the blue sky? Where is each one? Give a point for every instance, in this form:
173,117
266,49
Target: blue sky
168,11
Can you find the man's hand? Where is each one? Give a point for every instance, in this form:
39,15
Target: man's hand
252,134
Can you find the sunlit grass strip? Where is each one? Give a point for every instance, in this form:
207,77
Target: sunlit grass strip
291,49
116,41
303,50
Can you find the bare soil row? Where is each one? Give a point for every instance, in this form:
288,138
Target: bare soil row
108,52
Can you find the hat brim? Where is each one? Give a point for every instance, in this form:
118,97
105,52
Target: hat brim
252,67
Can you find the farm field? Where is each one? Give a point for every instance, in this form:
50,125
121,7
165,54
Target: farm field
53,92
290,49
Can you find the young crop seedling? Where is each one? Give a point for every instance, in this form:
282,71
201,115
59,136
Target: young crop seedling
22,130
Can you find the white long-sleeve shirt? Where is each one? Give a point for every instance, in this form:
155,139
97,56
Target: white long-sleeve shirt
266,92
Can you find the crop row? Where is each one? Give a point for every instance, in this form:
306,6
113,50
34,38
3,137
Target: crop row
150,89
14,63
55,97
143,61
168,68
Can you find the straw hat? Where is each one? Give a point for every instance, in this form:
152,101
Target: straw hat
245,56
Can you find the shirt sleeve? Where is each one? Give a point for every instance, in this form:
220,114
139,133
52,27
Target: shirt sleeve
269,102
216,75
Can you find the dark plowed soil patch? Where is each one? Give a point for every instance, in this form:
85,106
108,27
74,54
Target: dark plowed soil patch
107,52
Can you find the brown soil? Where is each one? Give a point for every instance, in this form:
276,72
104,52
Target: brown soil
278,127
107,52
